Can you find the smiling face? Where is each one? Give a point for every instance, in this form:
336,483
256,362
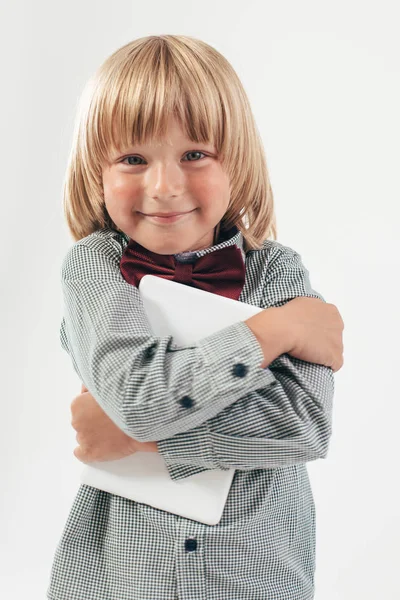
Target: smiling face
174,175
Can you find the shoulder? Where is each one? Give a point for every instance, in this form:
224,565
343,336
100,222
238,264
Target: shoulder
95,256
279,274
273,251
105,240
273,258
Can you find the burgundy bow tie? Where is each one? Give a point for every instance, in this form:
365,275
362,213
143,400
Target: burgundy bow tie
221,272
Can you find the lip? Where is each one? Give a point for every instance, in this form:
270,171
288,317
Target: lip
166,217
171,214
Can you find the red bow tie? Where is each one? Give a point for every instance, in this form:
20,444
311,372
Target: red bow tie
221,272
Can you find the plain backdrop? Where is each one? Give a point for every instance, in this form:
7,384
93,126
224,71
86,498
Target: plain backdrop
323,82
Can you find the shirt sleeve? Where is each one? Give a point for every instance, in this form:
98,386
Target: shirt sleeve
279,425
149,389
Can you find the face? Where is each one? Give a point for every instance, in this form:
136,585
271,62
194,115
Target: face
176,177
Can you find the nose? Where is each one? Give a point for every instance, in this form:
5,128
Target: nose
164,179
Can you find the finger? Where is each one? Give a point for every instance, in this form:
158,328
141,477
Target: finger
84,389
80,455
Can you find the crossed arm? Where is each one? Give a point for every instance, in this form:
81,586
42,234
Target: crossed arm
265,427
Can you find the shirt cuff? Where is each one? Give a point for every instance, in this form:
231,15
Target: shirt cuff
188,453
233,353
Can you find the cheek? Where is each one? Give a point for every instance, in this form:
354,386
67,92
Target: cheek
113,186
211,190
119,190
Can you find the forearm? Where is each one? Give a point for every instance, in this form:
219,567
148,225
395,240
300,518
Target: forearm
149,389
285,424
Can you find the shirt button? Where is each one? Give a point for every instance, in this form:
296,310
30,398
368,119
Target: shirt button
190,545
240,370
186,402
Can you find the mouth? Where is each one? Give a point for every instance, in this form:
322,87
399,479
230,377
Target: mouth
166,217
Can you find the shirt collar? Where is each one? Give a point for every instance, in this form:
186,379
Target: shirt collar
226,238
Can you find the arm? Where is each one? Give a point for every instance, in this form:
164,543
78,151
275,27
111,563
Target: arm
148,390
279,425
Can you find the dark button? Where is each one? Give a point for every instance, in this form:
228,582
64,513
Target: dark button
190,545
240,370
186,402
151,350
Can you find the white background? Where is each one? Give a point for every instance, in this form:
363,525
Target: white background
323,81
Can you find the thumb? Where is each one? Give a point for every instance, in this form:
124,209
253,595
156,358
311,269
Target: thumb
84,389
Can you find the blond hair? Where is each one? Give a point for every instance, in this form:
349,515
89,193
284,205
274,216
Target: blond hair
130,100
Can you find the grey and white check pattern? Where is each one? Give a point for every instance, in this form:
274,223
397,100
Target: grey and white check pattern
265,423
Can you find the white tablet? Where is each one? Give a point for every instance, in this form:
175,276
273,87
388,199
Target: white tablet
188,314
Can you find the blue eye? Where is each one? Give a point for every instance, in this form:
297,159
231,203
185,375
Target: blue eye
195,152
134,156
129,157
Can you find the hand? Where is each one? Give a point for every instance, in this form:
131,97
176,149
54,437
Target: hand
316,331
98,436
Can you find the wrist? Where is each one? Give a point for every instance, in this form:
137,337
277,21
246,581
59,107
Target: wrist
270,328
146,446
